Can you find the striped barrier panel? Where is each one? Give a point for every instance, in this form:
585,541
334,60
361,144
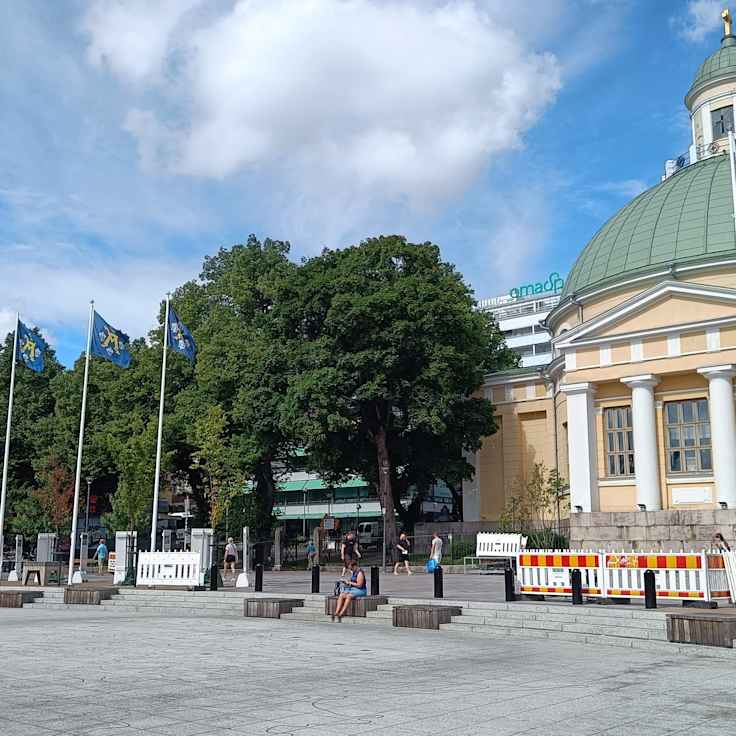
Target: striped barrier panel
168,568
680,575
547,572
718,586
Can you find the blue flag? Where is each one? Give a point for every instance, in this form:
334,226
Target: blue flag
31,348
109,343
179,337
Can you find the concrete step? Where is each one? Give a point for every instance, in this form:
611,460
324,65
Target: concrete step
55,606
175,605
177,611
323,618
592,610
541,624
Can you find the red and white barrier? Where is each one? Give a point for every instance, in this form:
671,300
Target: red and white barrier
678,575
548,572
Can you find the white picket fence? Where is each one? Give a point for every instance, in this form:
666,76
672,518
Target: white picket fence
678,575
169,568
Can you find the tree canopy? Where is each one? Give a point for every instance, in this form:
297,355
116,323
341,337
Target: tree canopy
370,358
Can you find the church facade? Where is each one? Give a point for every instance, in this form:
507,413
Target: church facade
636,409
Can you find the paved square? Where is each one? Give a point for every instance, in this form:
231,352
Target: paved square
89,673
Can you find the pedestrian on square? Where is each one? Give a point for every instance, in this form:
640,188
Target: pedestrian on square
231,556
403,547
349,551
435,552
353,588
311,554
101,555
720,542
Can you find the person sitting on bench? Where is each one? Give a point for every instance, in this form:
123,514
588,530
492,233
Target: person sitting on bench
354,588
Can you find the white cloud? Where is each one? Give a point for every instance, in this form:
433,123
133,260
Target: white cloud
628,188
391,101
132,36
52,287
702,17
7,322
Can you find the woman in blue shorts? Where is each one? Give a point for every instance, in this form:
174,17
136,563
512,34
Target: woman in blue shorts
354,588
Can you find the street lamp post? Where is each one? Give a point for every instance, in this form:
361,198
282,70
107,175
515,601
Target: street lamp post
86,515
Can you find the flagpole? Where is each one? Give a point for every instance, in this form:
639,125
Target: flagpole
6,457
157,480
78,478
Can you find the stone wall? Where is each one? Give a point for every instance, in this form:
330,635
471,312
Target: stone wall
675,530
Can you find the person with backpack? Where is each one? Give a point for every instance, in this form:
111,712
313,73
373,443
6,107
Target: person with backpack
354,588
349,550
435,553
101,555
403,547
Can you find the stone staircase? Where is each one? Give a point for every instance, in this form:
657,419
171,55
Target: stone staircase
48,599
620,626
314,612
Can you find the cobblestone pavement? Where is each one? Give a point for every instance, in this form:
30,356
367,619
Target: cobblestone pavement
87,673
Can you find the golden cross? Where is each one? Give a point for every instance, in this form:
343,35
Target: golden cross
726,15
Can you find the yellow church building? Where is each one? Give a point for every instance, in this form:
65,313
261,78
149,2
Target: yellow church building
636,409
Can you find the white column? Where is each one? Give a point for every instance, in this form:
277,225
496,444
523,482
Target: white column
646,456
722,430
707,126
581,446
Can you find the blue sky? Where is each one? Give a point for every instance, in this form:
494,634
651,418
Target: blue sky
138,137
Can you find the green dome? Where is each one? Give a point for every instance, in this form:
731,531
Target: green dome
720,64
688,218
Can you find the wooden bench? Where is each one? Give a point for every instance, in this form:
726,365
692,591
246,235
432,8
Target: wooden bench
87,596
42,571
491,546
15,598
423,617
270,607
710,628
358,606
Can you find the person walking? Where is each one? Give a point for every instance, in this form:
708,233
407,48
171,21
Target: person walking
311,554
101,555
349,550
403,547
231,557
435,552
353,588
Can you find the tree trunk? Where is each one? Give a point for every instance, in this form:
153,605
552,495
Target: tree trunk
384,485
265,489
457,501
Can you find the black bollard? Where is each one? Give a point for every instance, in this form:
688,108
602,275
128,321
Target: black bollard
577,587
315,579
438,588
375,580
509,584
213,576
259,579
650,590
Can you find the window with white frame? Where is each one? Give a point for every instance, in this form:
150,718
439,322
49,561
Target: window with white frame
687,436
619,441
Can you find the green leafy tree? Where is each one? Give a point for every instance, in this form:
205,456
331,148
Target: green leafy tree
243,366
30,437
131,504
392,351
55,496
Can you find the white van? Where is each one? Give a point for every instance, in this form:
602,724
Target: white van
370,534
